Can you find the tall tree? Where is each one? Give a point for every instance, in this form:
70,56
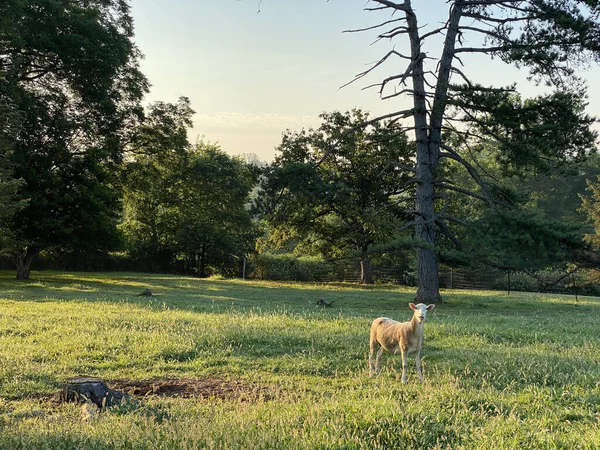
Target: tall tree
71,76
339,192
216,228
157,151
551,38
182,203
10,203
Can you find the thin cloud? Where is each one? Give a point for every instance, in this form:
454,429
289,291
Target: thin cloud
239,133
230,121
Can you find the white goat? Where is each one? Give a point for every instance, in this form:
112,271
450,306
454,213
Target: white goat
392,336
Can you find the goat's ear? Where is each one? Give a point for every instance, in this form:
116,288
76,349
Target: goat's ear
430,307
412,306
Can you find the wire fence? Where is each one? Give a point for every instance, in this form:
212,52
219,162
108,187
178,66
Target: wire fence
488,278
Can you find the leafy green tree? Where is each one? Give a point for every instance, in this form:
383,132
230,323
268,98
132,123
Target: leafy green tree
216,227
558,195
71,77
10,203
533,224
551,38
591,206
340,193
158,150
184,203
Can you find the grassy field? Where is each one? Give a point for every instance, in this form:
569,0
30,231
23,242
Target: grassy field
273,371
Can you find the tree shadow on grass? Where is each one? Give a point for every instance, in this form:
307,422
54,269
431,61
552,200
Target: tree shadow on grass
193,294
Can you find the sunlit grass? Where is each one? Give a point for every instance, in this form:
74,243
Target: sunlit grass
502,371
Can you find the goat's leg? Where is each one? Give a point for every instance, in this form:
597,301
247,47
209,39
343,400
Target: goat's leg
404,355
372,347
418,364
378,360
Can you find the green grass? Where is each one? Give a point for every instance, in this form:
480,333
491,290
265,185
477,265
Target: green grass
503,372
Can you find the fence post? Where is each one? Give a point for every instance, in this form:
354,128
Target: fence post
451,278
508,281
244,269
575,286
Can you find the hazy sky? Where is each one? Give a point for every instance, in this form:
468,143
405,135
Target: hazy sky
250,75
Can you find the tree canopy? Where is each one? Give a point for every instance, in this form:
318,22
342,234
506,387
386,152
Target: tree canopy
70,78
339,193
184,205
451,113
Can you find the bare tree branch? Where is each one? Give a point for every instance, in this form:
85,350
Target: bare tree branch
448,232
387,22
431,33
461,190
396,6
374,66
452,154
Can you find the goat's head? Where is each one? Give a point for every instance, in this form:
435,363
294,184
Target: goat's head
420,310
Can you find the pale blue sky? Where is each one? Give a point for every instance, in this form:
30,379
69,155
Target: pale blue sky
252,75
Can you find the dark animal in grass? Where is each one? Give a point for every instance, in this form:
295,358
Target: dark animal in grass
323,303
146,293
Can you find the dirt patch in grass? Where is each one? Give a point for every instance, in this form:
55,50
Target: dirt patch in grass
204,388
201,388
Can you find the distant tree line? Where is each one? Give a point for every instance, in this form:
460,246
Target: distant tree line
91,179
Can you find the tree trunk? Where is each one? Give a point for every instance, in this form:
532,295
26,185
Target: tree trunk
202,262
91,389
428,286
366,269
426,164
429,140
428,155
23,262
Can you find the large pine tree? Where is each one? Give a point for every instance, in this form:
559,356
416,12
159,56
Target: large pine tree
550,38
